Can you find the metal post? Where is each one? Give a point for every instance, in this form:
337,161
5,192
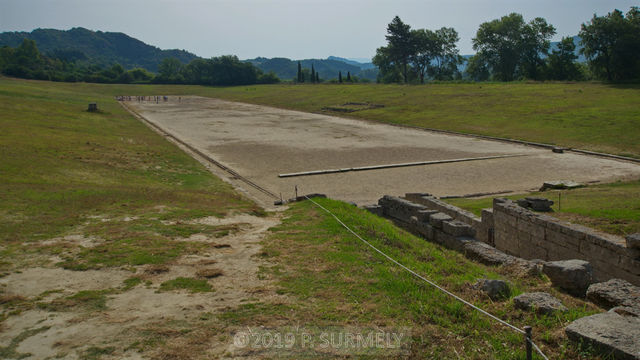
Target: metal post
527,341
559,200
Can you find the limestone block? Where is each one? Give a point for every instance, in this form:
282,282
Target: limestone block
457,228
540,302
574,276
615,292
436,219
611,333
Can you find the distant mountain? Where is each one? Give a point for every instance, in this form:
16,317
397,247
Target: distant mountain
96,47
363,65
287,69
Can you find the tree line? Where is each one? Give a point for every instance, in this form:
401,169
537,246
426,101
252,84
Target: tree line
510,49
312,76
26,61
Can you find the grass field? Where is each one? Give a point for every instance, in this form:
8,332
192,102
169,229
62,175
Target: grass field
612,208
65,170
100,193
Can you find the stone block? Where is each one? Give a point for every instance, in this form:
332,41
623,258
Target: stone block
558,252
436,219
574,276
374,209
423,215
558,238
457,228
425,230
495,289
540,302
633,241
630,264
502,218
615,292
594,251
612,242
486,254
612,334
531,228
453,242
531,250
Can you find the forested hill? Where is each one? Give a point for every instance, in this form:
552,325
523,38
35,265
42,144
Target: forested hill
328,69
96,47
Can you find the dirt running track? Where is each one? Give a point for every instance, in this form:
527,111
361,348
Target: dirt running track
260,142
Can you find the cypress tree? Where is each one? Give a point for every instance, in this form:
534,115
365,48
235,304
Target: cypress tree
340,77
348,76
300,76
317,77
313,74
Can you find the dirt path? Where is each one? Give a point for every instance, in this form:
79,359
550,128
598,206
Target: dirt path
140,321
261,142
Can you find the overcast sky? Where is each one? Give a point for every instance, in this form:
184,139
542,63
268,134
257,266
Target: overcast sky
297,29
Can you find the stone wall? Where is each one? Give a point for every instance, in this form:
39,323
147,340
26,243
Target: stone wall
515,231
530,235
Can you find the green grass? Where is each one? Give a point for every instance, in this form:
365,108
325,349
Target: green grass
333,279
88,300
66,171
612,208
182,283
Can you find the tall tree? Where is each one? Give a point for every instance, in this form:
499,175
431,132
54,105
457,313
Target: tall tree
313,74
611,44
340,77
511,47
170,71
300,74
389,71
535,44
446,54
562,61
400,44
348,76
425,47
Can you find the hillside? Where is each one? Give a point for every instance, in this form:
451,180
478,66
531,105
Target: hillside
286,69
96,47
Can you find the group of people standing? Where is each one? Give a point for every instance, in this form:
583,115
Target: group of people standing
155,99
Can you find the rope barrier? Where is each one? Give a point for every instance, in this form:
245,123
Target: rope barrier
429,281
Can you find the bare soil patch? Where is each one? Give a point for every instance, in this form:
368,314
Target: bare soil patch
120,313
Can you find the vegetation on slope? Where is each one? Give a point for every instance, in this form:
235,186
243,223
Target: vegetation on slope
335,280
96,47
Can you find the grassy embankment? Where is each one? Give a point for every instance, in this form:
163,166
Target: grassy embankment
338,280
66,172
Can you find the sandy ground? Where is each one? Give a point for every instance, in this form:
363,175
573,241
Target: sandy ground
261,142
142,313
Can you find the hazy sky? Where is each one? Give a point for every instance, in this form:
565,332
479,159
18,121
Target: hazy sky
296,29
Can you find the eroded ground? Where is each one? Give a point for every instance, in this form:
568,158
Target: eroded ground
137,311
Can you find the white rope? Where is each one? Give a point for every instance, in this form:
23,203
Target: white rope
427,280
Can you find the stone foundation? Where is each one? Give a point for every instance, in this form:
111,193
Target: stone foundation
515,231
